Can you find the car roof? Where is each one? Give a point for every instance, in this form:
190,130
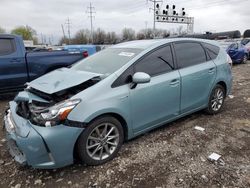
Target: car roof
144,44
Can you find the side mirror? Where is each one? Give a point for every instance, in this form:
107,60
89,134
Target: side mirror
140,78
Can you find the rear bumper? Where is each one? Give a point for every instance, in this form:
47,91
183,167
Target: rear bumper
39,147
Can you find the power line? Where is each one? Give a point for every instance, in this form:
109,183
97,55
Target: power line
214,4
68,25
91,11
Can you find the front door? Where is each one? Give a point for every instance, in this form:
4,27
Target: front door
159,100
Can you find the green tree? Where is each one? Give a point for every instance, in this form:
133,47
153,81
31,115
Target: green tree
25,31
2,30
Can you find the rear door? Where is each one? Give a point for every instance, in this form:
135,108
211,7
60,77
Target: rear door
13,71
197,72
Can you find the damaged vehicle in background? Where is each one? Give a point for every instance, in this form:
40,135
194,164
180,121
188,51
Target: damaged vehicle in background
238,52
88,110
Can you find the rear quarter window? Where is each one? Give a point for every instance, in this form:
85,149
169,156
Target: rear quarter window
7,46
212,50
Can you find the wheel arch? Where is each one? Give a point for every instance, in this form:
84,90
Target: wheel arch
223,84
112,114
118,117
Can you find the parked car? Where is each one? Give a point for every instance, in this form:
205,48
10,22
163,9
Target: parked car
82,48
238,52
88,110
246,43
18,66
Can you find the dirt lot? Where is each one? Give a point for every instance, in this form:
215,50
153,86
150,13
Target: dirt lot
174,155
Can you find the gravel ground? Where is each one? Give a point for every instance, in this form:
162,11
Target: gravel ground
174,155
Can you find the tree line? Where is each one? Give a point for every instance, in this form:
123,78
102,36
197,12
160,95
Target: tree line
100,36
83,36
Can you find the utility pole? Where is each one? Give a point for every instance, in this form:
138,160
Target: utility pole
68,25
41,38
91,11
154,4
63,31
146,25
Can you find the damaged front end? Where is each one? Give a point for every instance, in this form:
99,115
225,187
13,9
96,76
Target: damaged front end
36,124
47,110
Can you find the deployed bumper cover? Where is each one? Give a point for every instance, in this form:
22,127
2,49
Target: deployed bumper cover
39,147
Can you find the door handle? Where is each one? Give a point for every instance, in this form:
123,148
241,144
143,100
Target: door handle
174,82
15,60
211,70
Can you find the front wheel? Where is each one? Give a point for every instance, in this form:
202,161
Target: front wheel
216,100
100,141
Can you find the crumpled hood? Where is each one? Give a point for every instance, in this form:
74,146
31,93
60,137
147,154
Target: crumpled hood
61,79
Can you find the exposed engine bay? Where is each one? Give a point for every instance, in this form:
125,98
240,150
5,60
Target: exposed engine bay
43,112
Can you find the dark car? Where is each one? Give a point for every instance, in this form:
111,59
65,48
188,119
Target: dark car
238,52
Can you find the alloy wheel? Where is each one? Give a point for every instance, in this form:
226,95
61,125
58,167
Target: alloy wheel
102,141
217,100
245,59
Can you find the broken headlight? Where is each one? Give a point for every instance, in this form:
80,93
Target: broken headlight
57,113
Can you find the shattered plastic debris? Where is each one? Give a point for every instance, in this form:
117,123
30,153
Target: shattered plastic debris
214,157
199,128
230,96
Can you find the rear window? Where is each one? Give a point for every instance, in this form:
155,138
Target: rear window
7,46
212,50
189,54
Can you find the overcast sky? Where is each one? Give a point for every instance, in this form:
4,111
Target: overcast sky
46,16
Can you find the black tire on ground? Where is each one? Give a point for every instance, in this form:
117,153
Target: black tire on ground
213,102
83,140
245,58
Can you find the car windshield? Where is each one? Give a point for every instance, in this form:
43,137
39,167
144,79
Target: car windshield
107,61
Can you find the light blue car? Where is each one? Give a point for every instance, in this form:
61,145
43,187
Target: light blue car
90,109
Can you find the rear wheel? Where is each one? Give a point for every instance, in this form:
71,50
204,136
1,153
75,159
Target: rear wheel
245,59
216,100
100,141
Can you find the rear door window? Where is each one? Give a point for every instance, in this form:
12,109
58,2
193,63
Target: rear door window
7,46
212,50
189,54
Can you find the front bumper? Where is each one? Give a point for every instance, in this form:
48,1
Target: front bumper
39,147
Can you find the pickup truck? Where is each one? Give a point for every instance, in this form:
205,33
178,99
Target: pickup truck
18,66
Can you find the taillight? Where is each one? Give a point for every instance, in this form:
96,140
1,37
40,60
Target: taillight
229,61
85,54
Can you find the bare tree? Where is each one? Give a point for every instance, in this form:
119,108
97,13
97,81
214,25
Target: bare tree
99,36
128,34
140,35
180,31
111,38
82,36
2,30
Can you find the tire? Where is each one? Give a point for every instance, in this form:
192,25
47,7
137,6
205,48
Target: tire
245,58
95,146
216,100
